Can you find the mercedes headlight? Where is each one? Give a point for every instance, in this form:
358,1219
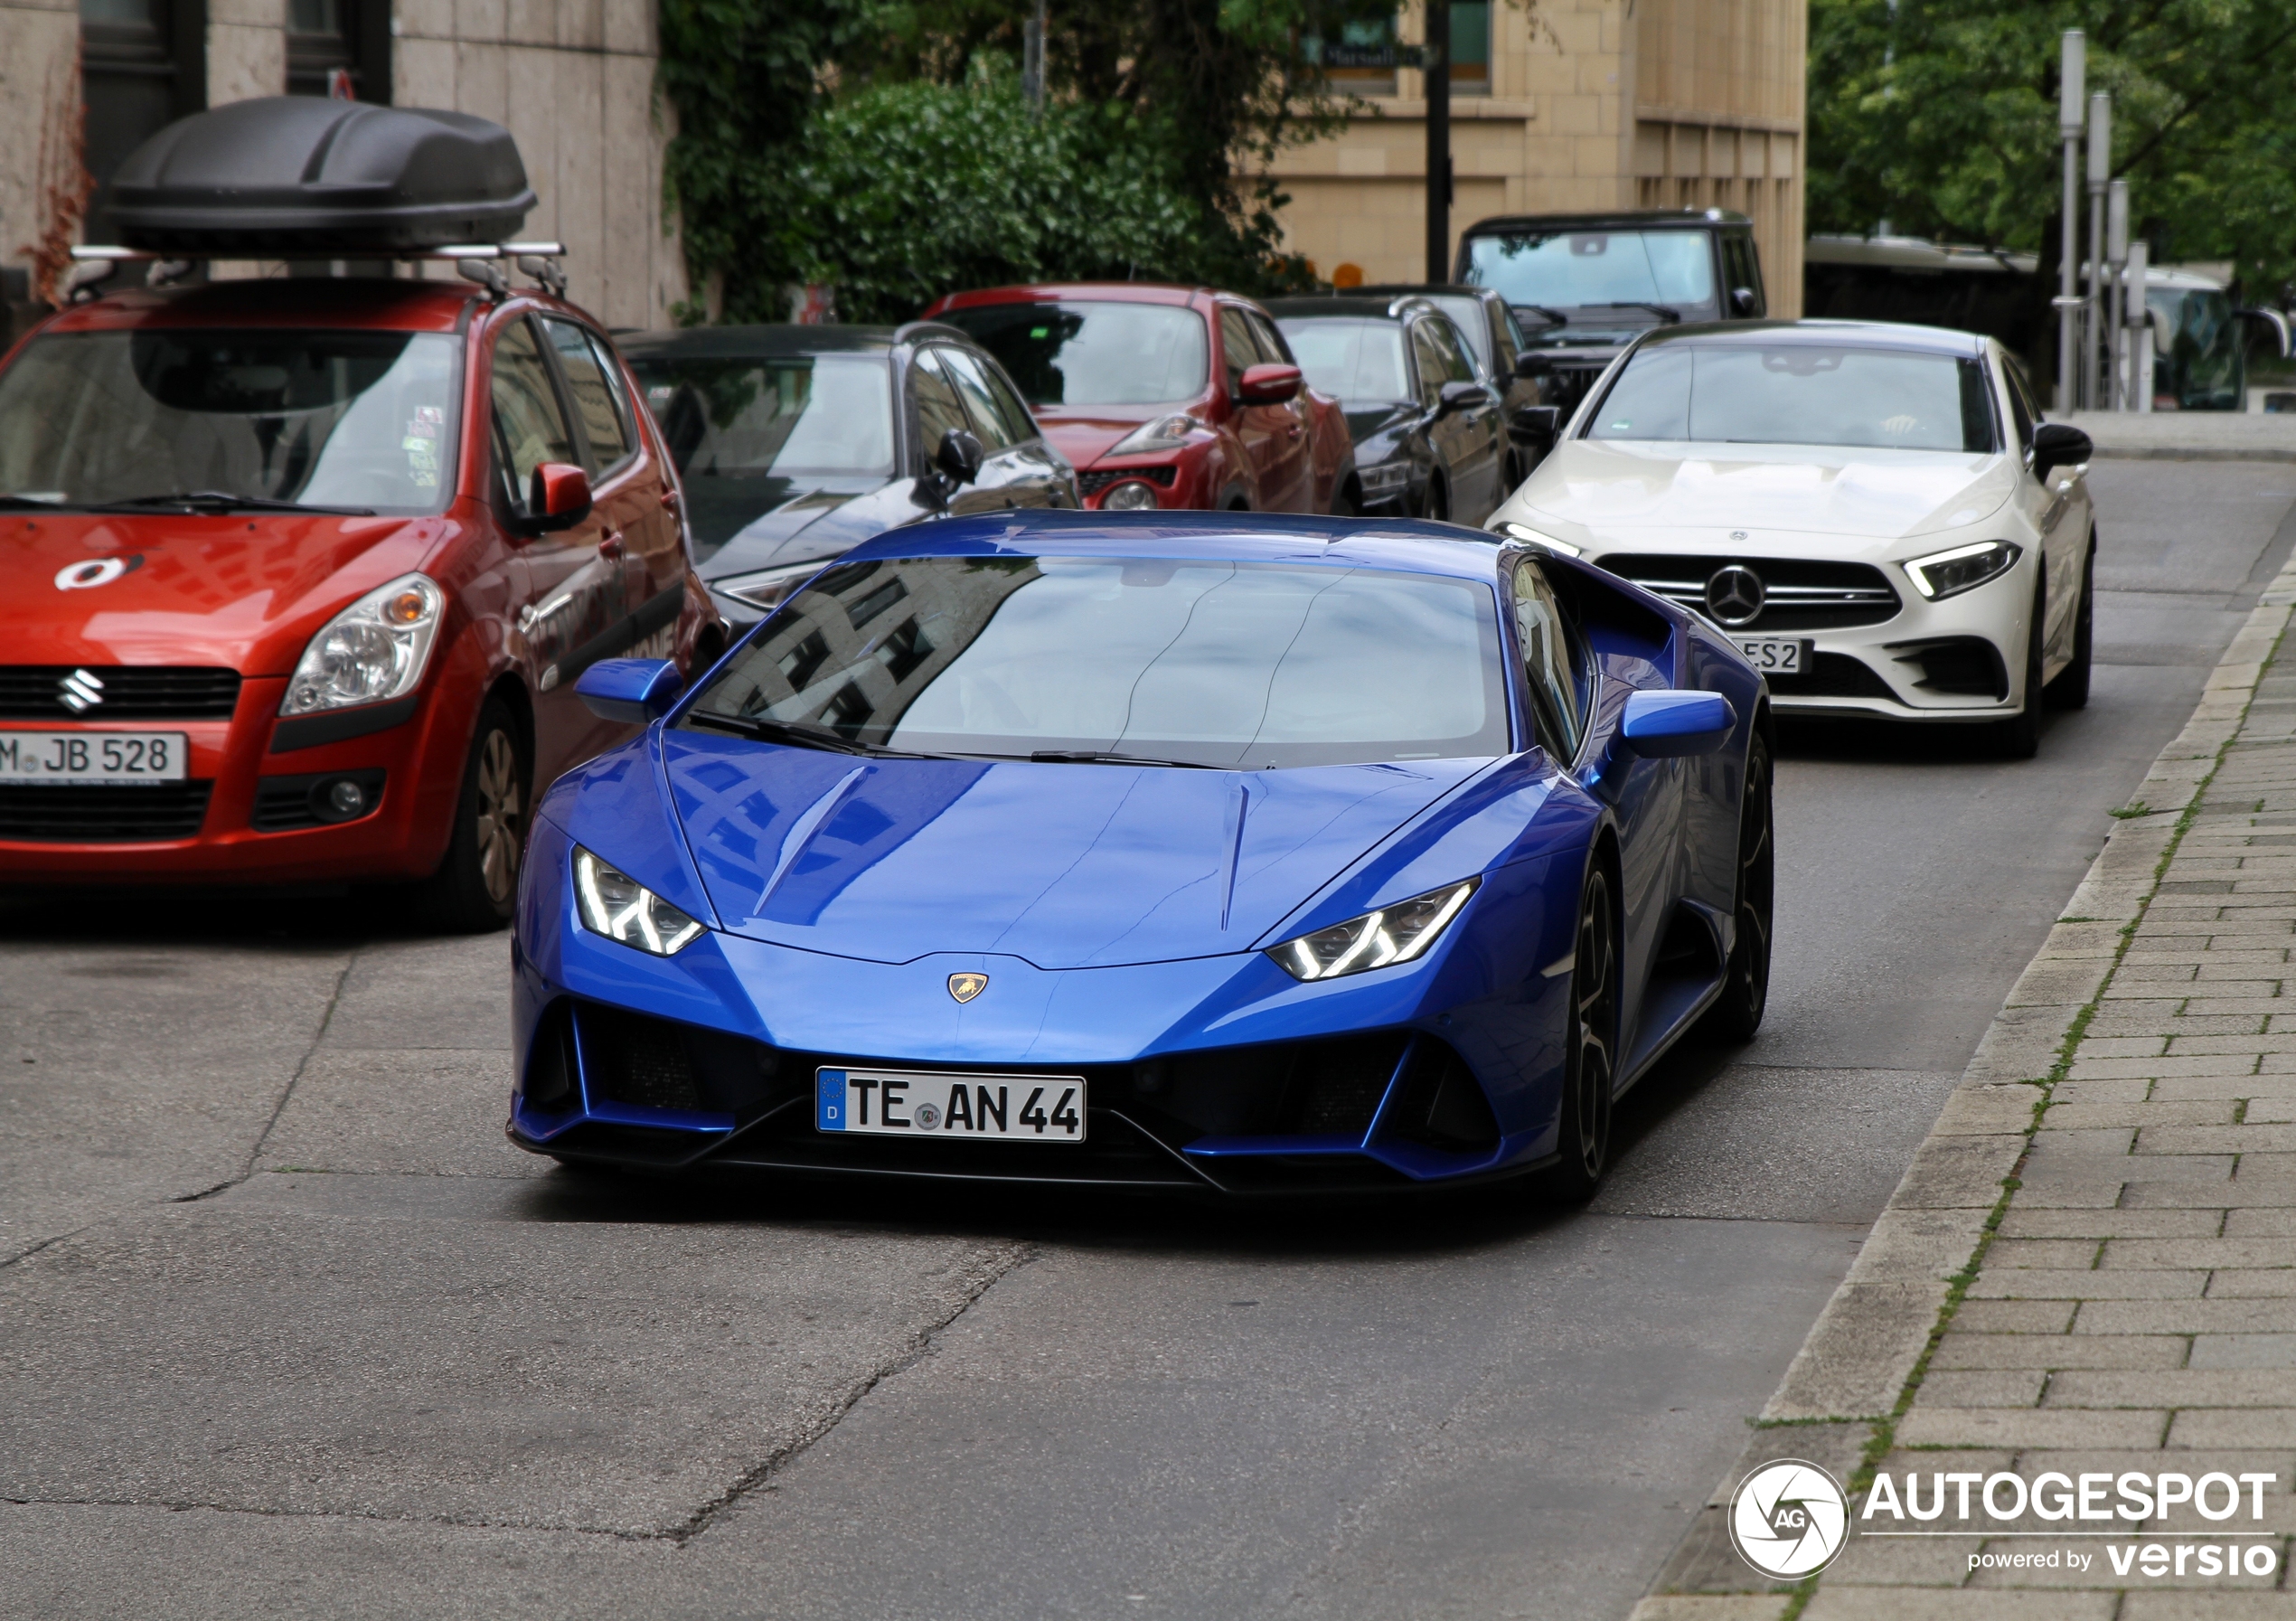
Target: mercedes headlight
371,652
1388,478
1166,433
620,908
767,587
1944,574
1535,537
1393,934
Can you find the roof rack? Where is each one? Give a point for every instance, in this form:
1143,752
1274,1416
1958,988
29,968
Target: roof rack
473,261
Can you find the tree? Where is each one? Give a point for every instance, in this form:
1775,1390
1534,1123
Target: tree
1942,117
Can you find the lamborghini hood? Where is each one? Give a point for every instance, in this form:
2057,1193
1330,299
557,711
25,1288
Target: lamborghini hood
1068,866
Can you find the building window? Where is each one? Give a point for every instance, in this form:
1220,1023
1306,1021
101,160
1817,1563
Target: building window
1471,47
142,64
338,46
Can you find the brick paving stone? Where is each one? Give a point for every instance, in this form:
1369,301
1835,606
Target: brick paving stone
2119,1429
2185,1316
2111,1224
2151,1112
2209,1252
2216,1139
2243,1350
2261,1284
2260,1223
2181,1389
2236,1426
1983,1387
2054,1283
2023,1316
1958,1352
2057,1253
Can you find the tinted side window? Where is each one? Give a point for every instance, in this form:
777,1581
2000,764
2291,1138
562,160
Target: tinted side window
1429,358
1550,665
1743,267
1271,341
973,388
1458,365
529,428
1019,425
2021,406
593,397
1236,339
938,409
1506,339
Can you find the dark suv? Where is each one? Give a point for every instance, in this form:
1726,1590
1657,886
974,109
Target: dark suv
1585,286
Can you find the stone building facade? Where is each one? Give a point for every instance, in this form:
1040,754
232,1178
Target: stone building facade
83,82
1567,105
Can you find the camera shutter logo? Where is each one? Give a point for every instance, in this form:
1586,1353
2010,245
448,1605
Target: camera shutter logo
80,690
1735,596
1789,1519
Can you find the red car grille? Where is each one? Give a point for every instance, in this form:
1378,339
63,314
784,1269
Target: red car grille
1093,483
127,692
71,813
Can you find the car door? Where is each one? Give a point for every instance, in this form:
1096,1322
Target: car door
1274,449
1014,462
572,597
640,527
1301,497
2058,509
1471,441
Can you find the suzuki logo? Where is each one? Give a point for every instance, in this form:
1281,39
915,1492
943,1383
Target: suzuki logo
965,986
1735,596
80,692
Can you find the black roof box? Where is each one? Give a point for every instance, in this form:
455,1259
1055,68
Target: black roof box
288,175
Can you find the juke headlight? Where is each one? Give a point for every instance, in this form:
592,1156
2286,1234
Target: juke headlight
373,651
1944,574
620,908
1166,433
1393,934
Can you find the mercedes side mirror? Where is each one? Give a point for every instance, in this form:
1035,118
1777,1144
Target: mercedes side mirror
2058,444
957,457
635,690
1667,724
1745,303
559,498
1461,396
1267,384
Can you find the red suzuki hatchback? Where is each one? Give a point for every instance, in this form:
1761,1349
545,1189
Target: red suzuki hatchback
300,573
1166,396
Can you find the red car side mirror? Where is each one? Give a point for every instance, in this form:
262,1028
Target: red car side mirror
561,497
1267,385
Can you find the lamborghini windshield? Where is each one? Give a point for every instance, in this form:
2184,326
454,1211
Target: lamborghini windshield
363,420
1241,665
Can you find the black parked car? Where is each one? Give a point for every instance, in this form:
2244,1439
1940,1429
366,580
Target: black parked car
1430,441
1586,285
1495,344
796,443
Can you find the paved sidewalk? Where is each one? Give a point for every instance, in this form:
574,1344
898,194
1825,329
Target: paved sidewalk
2189,436
2091,1266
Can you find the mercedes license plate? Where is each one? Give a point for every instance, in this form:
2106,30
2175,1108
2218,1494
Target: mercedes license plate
907,1103
93,757
1775,655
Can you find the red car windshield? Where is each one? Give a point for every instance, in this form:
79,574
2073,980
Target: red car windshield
326,420
1092,354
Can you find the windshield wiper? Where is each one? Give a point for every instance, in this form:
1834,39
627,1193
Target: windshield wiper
1666,313
1107,756
225,501
799,734
1555,318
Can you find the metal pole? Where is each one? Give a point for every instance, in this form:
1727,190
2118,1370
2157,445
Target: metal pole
1032,58
2140,328
2116,258
1435,65
2070,86
2100,172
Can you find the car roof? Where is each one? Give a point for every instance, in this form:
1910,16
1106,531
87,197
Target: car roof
1646,219
1865,335
1403,545
1425,289
1081,292
356,302
748,343
1312,306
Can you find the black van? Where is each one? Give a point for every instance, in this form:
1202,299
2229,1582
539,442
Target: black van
1585,286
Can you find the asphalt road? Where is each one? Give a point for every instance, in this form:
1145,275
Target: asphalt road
285,1328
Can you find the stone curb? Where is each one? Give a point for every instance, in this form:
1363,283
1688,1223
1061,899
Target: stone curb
1852,1370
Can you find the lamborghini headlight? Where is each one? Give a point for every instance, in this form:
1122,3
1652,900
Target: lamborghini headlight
1944,574
1166,433
370,653
620,908
1535,537
1393,934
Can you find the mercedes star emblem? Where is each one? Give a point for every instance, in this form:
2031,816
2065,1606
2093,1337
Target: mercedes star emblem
1734,596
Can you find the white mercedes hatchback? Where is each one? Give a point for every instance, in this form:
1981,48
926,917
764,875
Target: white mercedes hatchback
1876,515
